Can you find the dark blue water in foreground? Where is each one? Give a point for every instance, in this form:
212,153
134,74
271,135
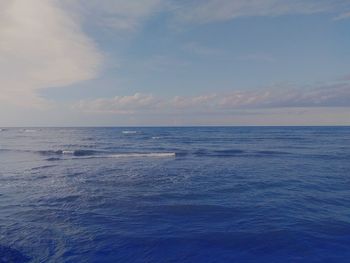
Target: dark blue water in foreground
175,194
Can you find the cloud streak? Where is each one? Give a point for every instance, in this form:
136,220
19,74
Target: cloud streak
126,15
119,104
337,95
123,15
221,10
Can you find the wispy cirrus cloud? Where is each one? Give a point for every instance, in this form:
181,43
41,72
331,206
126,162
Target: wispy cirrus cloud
116,14
220,10
336,95
130,15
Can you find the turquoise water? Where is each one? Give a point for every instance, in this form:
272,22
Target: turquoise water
209,194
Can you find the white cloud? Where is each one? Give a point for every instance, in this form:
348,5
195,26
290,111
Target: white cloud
337,95
119,104
332,96
41,46
191,103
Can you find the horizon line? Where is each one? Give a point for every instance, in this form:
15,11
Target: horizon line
175,126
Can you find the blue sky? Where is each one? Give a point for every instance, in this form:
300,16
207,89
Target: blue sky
163,62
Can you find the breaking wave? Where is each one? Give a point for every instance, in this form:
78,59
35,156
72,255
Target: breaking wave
121,155
29,130
69,152
129,132
53,155
134,155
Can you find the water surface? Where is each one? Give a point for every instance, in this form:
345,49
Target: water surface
209,194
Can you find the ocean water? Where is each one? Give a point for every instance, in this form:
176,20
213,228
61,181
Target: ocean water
209,194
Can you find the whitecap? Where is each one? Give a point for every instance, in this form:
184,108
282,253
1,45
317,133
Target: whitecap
129,132
157,155
130,155
67,152
29,130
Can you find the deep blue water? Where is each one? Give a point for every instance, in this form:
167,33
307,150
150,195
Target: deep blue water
234,194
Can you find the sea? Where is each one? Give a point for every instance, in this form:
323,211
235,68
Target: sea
175,194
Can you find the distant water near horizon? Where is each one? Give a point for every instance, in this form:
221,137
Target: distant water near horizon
194,194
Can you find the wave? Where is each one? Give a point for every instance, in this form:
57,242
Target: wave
50,152
133,155
53,155
231,152
239,153
69,152
43,167
81,152
143,155
219,153
129,132
29,130
269,153
52,159
56,155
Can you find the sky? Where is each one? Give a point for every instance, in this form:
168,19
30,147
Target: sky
174,62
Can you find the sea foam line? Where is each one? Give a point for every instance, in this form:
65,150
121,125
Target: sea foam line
129,132
131,155
142,155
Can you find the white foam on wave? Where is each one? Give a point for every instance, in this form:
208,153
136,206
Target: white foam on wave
130,155
129,132
158,155
29,130
67,152
156,137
